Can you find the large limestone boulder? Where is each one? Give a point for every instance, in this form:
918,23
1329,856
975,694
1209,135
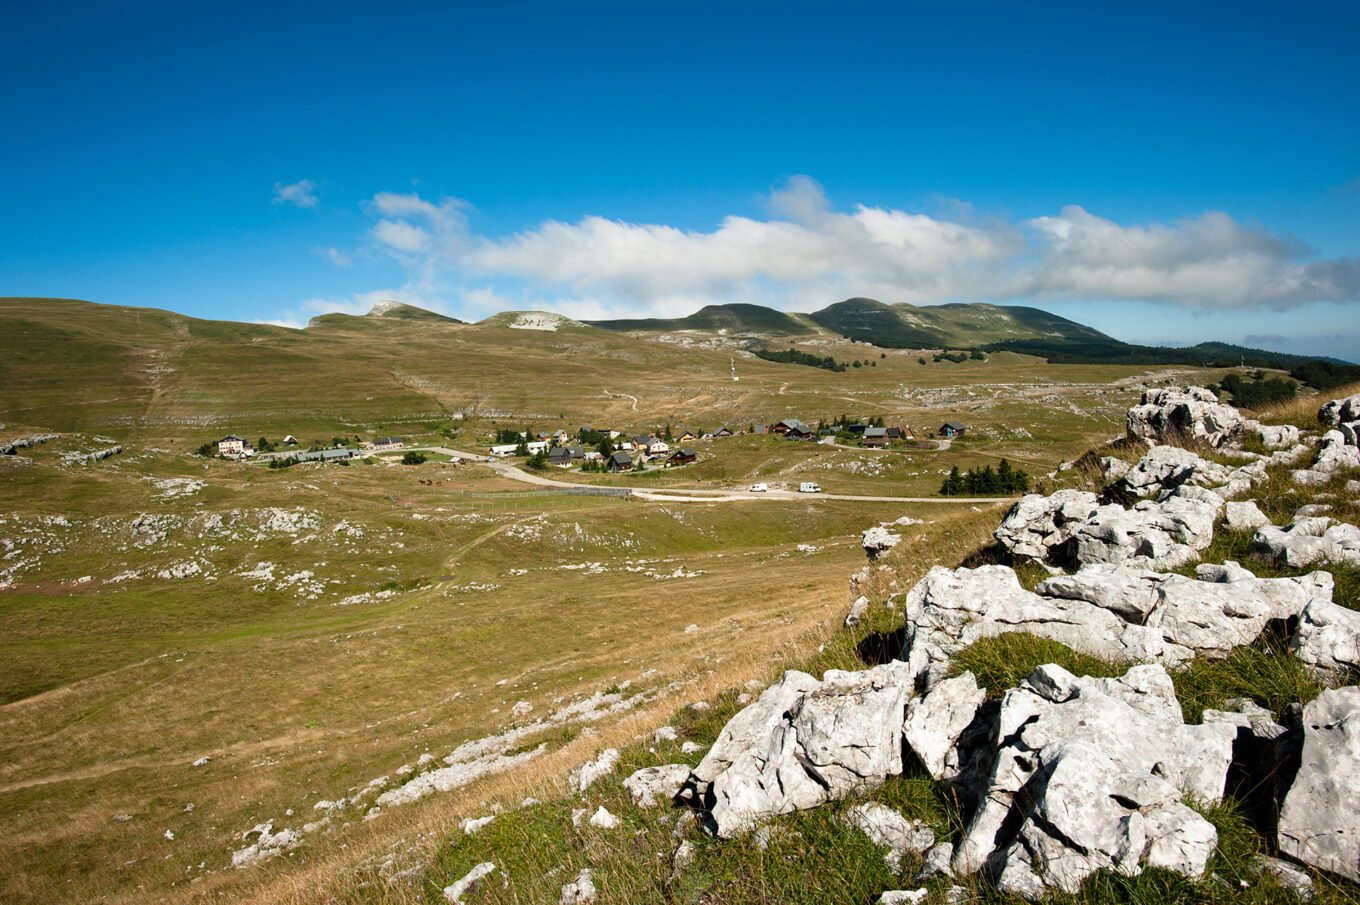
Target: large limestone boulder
1168,467
936,719
1162,534
1037,526
1192,413
1328,638
1308,540
1320,822
803,743
1089,774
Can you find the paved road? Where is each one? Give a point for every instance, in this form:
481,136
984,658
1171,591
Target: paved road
688,495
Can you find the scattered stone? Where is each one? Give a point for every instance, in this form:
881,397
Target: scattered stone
937,862
695,747
604,820
857,611
1288,876
1340,411
579,891
665,734
201,762
473,824
1273,436
889,829
1335,453
454,894
878,540
651,786
263,843
903,896
583,776
1320,821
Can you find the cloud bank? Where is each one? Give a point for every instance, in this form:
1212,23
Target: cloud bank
805,254
296,194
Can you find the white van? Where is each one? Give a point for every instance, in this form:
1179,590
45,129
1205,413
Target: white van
809,487
759,488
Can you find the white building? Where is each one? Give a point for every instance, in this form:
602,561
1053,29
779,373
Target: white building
234,447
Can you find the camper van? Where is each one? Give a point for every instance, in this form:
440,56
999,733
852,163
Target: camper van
809,487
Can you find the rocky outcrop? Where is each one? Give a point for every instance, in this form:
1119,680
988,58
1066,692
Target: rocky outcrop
12,447
1072,528
1111,611
936,719
1036,526
1309,540
1245,516
1191,413
1320,822
1089,774
1273,436
1340,411
1335,453
803,743
1168,467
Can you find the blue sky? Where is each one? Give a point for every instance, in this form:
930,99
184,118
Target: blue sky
1167,174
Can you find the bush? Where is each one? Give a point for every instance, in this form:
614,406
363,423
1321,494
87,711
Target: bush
207,450
413,458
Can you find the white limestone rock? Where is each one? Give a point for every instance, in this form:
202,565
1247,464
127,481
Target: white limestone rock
1089,775
1310,540
579,891
857,611
936,720
1340,410
1320,820
454,893
604,820
585,775
878,540
904,896
1335,453
1191,413
651,786
888,829
803,743
1246,516
1273,436
1328,637
1168,467
1037,525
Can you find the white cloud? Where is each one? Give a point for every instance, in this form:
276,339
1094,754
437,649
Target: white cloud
298,194
805,253
334,255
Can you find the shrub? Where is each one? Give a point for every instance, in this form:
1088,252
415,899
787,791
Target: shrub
413,458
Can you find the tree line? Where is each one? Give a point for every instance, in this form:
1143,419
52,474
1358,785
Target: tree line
986,481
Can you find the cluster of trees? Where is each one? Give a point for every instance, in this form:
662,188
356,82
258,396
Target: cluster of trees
985,481
1258,391
957,357
796,357
1325,375
506,435
413,458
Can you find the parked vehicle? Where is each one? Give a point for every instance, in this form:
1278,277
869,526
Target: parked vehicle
759,488
809,487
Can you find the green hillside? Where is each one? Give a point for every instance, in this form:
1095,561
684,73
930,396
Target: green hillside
733,318
957,325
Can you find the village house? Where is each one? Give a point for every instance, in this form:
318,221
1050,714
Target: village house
723,431
234,447
620,460
503,451
290,440
875,437
657,447
327,455
382,444
792,429
682,456
560,456
952,429
686,436
899,433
